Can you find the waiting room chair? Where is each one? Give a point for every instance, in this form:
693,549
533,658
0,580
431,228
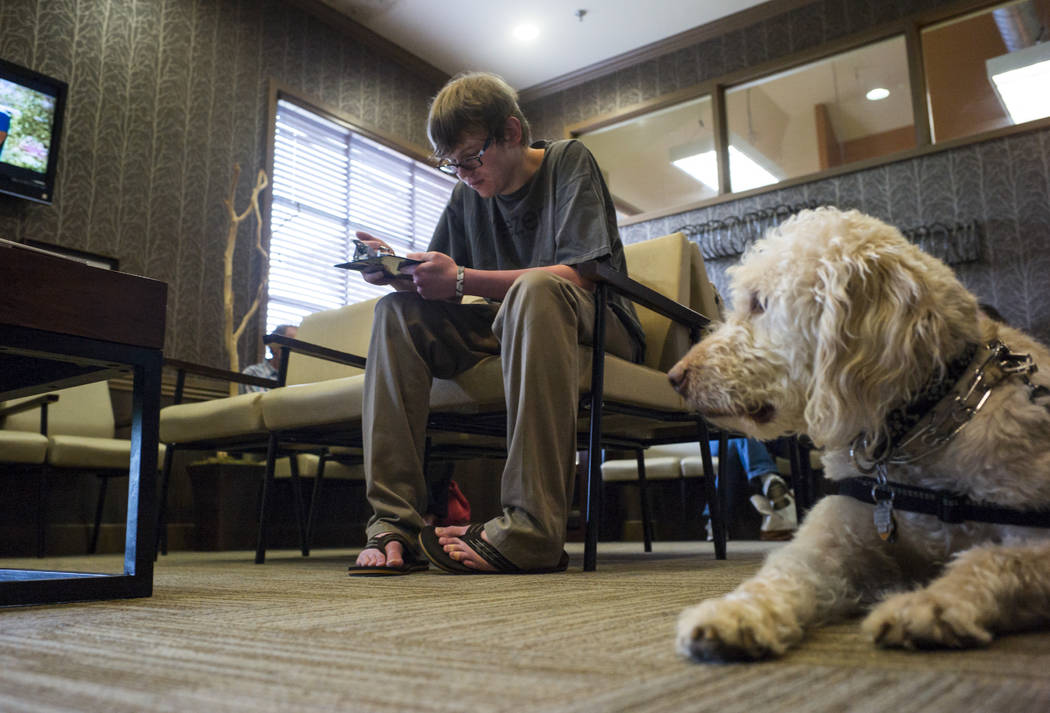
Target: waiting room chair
64,431
661,463
316,404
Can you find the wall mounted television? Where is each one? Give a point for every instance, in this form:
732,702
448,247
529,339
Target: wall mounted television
31,110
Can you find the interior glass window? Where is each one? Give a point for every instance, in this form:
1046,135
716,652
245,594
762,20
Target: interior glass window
853,106
638,158
988,69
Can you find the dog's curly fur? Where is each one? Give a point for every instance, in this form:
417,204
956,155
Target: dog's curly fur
836,321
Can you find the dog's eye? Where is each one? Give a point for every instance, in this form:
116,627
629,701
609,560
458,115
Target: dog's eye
758,305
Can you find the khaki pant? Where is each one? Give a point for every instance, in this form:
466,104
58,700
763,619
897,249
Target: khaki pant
536,331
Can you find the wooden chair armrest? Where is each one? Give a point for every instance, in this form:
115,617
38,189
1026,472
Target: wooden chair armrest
36,402
601,271
210,372
314,350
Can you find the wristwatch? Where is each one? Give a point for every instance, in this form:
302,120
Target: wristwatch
459,280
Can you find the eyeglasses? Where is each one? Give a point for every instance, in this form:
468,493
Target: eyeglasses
451,167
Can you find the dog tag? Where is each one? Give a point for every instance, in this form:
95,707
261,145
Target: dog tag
884,522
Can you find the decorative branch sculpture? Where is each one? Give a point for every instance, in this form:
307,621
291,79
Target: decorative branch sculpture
232,336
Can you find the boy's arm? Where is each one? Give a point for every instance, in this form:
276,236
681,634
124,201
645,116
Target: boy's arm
435,278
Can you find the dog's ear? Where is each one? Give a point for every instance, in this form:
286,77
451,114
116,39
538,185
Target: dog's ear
890,318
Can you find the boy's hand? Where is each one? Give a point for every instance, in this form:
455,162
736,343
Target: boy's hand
378,277
435,277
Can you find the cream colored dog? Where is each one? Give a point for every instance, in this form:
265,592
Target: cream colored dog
836,322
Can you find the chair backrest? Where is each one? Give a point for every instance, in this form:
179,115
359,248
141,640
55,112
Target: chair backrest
80,411
672,266
347,329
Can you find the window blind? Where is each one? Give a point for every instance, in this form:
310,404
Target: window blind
329,182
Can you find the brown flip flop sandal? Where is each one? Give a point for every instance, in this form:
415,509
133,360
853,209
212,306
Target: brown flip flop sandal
435,552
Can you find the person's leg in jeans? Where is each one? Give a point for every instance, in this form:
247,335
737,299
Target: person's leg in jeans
769,493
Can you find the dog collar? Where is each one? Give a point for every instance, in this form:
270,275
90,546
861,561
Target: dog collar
988,366
944,407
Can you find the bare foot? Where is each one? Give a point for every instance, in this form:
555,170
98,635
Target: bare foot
372,557
448,537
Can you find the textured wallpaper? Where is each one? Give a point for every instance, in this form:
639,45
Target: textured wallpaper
1002,184
165,97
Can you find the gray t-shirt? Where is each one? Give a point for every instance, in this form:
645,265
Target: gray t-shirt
562,216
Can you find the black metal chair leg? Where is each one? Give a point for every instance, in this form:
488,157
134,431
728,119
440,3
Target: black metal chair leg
798,479
592,505
643,491
161,540
103,484
41,508
683,495
264,499
723,483
315,496
712,491
297,503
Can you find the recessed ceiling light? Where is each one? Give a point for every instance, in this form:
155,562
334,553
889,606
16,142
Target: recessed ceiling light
1019,78
526,32
877,93
746,172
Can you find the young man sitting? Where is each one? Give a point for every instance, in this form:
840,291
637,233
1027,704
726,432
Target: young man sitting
522,217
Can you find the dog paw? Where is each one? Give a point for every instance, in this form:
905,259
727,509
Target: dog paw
734,630
925,620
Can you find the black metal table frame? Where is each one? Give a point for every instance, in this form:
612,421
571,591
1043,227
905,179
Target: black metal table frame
71,360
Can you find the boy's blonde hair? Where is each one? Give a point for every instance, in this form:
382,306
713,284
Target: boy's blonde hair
473,102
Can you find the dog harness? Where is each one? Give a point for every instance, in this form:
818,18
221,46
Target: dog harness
927,424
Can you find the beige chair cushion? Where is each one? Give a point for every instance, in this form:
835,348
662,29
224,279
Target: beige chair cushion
88,452
662,462
347,329
308,468
22,447
673,266
80,411
703,297
665,468
317,404
81,432
661,264
221,418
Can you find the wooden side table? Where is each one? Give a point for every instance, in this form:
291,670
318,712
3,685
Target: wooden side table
64,323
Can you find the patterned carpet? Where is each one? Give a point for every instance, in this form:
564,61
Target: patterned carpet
296,635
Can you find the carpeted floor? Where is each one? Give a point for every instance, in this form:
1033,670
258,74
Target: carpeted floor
297,635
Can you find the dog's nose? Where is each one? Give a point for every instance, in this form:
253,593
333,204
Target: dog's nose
677,377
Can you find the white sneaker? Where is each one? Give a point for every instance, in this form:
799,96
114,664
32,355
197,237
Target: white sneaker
777,506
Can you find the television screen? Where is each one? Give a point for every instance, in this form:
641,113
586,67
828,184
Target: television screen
31,108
